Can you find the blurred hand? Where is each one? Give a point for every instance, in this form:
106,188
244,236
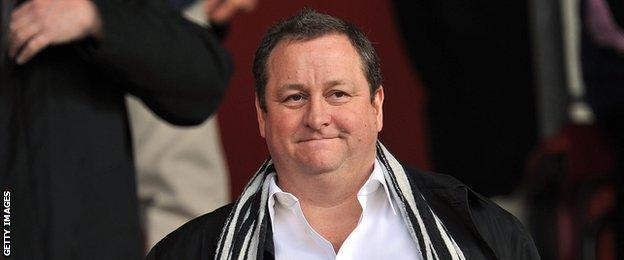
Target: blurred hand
221,11
37,24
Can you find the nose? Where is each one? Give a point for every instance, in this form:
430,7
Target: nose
318,116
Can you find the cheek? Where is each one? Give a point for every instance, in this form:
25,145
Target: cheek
361,126
282,125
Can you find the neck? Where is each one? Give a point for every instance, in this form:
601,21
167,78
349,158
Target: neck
329,196
327,189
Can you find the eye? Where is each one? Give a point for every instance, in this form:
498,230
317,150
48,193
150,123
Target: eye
294,98
338,97
339,94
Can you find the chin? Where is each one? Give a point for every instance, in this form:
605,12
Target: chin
320,163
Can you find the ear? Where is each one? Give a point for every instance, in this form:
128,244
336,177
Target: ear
378,98
260,114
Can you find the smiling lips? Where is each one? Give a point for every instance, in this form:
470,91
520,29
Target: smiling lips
316,139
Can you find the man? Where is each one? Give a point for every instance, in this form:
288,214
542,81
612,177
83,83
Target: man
330,189
65,150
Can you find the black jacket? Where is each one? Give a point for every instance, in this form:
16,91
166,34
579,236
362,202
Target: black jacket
482,229
65,148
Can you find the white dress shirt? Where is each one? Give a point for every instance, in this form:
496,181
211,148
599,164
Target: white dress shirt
379,234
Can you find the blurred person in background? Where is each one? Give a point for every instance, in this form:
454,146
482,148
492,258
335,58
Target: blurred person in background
602,57
181,171
474,62
65,149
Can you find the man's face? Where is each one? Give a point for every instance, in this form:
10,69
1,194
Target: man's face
319,116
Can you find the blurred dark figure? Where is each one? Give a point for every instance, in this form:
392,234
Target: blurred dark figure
65,150
602,53
473,58
180,4
181,171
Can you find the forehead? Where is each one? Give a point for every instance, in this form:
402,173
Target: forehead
327,55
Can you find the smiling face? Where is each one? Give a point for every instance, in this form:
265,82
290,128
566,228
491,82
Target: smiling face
319,116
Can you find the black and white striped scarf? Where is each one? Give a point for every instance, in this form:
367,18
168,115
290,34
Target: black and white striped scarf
244,231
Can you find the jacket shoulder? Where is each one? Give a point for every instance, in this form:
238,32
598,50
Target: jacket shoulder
431,180
501,230
197,239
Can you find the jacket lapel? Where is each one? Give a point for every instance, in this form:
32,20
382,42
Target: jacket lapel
441,189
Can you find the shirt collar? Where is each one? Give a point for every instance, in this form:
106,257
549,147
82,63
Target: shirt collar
276,193
371,185
374,181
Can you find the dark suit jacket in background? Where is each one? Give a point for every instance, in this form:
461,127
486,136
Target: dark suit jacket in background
65,150
474,60
481,228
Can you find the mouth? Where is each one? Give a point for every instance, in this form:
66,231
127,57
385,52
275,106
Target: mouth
317,139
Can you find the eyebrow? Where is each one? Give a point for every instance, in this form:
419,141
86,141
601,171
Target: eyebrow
300,87
287,87
332,83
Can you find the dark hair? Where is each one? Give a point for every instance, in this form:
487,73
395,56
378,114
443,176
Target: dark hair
307,25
